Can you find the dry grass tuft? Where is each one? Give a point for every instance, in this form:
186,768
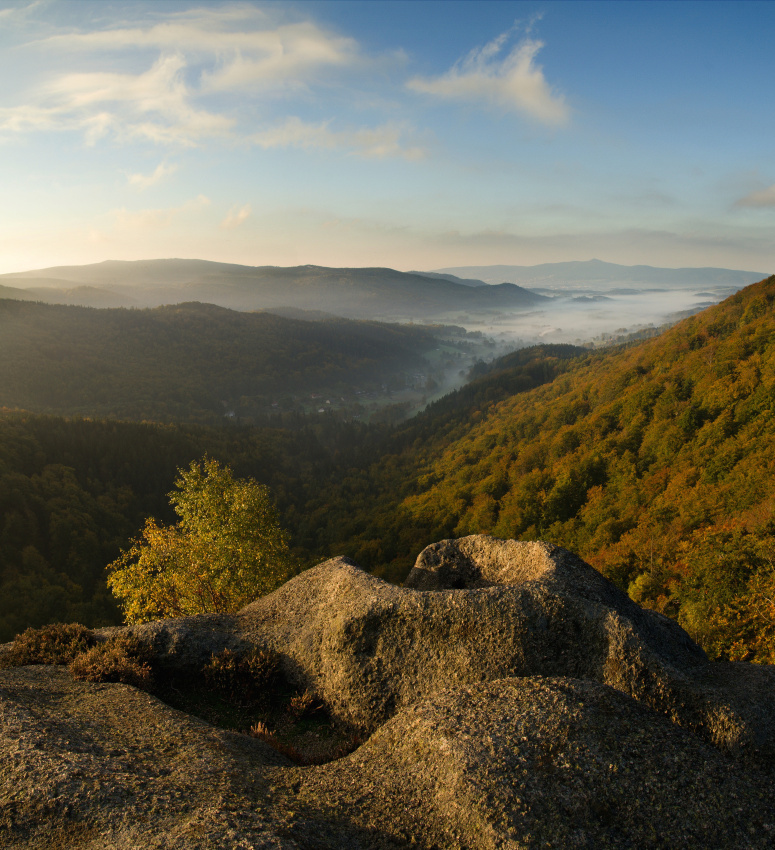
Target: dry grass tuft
122,658
246,678
303,706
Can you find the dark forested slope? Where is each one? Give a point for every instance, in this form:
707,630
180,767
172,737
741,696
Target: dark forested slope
74,492
188,362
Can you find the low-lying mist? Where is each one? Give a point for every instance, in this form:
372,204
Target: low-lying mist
592,318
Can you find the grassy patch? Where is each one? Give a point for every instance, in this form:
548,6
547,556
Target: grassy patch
122,658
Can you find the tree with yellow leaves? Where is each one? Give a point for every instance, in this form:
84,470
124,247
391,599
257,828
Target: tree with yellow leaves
227,549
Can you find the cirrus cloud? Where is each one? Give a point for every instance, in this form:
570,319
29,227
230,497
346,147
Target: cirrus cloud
174,97
386,140
243,48
512,82
144,181
155,104
761,198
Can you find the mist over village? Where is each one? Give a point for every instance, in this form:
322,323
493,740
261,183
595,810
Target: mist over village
387,424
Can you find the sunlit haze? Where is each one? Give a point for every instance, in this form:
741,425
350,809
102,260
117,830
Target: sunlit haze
415,135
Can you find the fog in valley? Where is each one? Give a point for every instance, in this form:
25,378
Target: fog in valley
474,319
593,318
579,315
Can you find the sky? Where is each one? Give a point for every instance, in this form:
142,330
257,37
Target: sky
414,135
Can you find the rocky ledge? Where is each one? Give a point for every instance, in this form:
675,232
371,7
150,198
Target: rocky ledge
508,696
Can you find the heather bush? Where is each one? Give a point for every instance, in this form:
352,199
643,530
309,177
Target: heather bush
57,643
122,658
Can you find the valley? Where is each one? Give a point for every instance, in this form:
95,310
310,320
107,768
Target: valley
642,456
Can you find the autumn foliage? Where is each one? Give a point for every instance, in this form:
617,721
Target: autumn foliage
654,461
227,549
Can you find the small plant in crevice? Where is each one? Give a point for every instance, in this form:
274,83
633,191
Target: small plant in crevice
261,731
122,658
247,678
305,705
56,643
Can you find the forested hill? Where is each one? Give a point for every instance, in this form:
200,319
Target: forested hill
655,462
359,293
73,492
189,362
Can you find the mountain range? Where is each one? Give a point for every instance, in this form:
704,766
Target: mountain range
360,293
652,460
368,293
597,274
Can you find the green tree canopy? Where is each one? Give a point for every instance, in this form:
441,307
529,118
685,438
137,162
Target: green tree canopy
227,549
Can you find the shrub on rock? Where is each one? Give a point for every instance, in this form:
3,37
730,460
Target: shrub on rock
122,658
56,643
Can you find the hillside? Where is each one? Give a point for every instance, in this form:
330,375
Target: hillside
366,293
602,275
198,362
654,462
74,492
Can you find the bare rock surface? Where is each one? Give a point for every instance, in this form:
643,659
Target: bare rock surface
542,762
479,608
510,697
108,766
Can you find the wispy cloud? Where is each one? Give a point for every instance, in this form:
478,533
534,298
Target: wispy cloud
144,181
221,32
236,217
287,55
760,198
153,219
19,10
511,81
371,143
201,53
245,48
155,105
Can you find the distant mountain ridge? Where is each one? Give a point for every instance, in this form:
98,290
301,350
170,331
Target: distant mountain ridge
454,278
360,293
589,272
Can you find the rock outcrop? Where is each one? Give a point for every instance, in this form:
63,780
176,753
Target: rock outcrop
479,609
510,696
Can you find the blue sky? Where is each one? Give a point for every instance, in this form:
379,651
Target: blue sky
404,134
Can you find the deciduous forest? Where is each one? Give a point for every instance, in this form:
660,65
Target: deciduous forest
655,461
